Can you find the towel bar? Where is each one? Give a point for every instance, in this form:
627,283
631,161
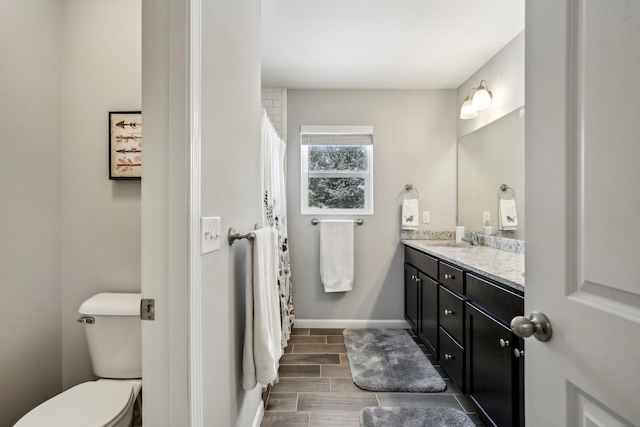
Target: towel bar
233,236
316,221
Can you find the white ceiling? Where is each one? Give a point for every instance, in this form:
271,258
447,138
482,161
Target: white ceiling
382,44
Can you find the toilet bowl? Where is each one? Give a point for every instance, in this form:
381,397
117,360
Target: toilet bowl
113,329
101,403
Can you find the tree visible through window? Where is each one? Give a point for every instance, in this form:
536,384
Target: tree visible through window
336,192
336,173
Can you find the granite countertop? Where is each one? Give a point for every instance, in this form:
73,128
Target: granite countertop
501,266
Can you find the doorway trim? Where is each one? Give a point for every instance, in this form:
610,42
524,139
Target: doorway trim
195,277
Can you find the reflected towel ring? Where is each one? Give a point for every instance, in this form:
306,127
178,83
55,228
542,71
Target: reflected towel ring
409,189
505,190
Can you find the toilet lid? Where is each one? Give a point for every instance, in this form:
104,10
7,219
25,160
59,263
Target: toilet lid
94,403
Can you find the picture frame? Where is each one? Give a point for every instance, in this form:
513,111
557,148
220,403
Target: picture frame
125,145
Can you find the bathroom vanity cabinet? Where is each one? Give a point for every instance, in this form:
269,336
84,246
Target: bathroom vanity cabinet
463,319
421,296
411,285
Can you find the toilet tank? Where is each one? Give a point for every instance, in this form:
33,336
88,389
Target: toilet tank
113,327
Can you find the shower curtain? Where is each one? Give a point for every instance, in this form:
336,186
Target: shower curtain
274,214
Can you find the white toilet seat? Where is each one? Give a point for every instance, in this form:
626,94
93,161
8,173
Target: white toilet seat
99,403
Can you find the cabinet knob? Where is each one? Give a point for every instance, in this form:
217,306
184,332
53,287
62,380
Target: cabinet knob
448,356
504,343
518,353
414,277
449,276
448,312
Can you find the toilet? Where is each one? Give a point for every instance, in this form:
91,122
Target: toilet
113,329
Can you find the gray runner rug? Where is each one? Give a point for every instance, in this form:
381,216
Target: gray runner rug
389,360
413,417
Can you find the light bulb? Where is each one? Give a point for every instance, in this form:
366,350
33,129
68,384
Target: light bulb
467,111
482,98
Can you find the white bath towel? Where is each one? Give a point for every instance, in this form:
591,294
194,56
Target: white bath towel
262,350
410,214
507,217
336,255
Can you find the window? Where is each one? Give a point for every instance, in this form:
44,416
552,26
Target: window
337,169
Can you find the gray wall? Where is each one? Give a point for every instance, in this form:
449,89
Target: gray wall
66,231
176,191
504,74
30,96
231,179
100,218
414,142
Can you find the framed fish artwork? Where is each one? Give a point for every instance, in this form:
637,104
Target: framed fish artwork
125,145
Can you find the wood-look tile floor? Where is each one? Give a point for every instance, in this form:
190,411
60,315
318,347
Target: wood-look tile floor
316,389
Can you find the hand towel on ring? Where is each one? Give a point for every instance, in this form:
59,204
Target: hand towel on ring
410,214
507,217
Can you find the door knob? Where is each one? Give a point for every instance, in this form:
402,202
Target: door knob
536,324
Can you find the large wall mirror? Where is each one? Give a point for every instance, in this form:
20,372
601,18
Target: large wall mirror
487,158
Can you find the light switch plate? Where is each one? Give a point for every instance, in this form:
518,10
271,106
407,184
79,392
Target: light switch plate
210,236
486,217
426,217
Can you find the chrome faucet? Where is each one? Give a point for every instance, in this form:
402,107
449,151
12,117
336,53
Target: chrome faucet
473,239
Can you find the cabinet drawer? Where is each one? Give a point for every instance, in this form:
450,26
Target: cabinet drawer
452,359
422,261
452,313
451,277
499,301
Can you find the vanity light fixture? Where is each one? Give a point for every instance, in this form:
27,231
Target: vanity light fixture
467,111
481,100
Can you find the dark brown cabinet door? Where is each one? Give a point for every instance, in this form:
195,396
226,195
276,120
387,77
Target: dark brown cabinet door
411,300
428,323
492,377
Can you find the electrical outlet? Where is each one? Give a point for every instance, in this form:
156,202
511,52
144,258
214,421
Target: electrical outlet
486,217
426,217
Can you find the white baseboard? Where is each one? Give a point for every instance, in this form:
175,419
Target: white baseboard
257,419
350,323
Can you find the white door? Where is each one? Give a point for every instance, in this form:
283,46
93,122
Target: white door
583,207
165,216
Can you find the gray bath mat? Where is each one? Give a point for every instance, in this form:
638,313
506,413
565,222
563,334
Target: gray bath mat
413,417
389,360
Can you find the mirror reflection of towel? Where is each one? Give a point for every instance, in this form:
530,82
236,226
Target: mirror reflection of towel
410,214
507,217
